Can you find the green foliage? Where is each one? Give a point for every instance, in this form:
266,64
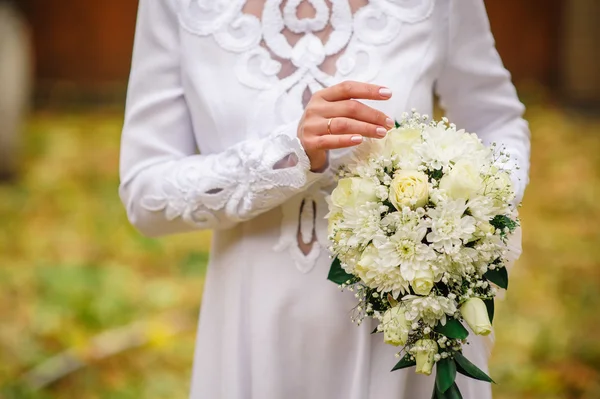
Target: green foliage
453,329
498,276
445,374
435,175
491,308
337,274
452,393
501,222
404,363
465,367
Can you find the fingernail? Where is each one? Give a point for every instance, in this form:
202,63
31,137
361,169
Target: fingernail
385,92
381,132
389,122
356,139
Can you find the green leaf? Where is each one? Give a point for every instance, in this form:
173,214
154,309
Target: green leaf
465,367
404,363
489,304
502,221
436,174
498,276
337,274
374,331
453,392
391,300
396,124
453,329
446,374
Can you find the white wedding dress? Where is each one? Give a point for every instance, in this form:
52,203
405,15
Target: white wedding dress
216,92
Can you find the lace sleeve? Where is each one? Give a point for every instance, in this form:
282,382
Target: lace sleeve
166,187
476,90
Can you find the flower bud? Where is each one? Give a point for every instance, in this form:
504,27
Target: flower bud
425,351
395,326
475,314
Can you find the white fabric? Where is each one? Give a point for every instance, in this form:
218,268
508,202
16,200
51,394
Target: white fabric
209,141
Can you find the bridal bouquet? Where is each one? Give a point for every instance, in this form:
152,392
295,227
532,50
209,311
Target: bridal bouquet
419,224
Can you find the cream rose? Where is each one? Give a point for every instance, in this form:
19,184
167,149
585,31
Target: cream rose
423,282
366,262
500,182
401,141
395,326
354,191
409,188
463,180
424,352
475,314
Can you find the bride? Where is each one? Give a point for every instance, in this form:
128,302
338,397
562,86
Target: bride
237,113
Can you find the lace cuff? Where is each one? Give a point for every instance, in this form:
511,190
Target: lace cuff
217,190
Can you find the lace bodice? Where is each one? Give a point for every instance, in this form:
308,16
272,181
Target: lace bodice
230,78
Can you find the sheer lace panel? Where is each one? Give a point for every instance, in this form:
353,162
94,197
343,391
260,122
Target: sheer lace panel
289,161
300,33
307,235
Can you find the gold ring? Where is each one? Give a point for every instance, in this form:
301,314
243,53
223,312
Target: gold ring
329,125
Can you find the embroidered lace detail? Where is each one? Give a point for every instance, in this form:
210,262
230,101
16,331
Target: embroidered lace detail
235,185
314,52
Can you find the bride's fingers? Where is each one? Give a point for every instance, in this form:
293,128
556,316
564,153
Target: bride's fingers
348,126
348,90
334,141
359,111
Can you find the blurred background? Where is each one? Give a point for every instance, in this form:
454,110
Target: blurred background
91,309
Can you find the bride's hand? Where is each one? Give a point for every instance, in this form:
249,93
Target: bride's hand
332,119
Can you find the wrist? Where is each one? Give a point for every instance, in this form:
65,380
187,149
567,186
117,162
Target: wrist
321,165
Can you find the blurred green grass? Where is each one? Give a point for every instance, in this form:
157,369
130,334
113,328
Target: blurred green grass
71,269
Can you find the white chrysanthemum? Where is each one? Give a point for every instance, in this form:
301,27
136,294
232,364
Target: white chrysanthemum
483,208
406,218
462,263
474,149
440,147
450,227
378,275
429,309
489,248
363,221
406,249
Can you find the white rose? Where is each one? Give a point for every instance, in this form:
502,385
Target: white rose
409,188
366,262
475,314
354,191
499,182
423,282
395,326
463,180
402,141
425,351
